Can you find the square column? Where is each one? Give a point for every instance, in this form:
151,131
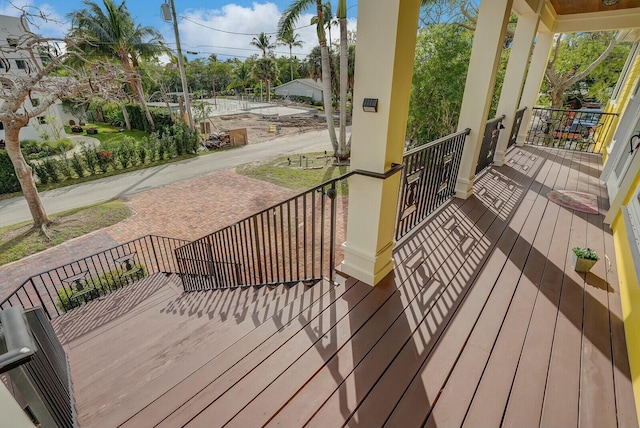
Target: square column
386,43
493,17
538,65
514,79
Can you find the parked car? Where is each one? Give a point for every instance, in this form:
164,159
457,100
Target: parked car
578,124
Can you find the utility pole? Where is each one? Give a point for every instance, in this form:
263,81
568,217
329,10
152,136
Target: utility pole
183,76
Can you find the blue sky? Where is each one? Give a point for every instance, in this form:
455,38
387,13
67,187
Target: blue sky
221,27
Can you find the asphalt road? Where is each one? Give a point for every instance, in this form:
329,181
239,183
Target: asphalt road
15,210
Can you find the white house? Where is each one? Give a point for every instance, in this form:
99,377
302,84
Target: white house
19,64
301,88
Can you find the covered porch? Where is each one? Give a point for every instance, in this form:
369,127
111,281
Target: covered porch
483,321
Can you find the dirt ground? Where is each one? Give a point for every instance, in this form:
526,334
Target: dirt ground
258,127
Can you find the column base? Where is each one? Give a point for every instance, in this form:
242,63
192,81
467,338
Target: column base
498,158
464,188
368,268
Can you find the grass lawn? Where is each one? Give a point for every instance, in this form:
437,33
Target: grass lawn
109,134
286,171
20,240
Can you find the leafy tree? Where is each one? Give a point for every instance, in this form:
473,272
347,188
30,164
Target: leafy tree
440,70
112,33
49,81
291,40
575,57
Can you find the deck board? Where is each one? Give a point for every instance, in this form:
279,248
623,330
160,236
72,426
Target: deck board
483,322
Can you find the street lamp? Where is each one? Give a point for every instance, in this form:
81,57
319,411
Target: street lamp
169,14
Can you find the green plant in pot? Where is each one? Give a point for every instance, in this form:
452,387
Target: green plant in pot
584,259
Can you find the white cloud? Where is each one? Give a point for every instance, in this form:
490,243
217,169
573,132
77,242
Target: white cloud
228,31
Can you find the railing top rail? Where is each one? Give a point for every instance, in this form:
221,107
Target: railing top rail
394,169
497,119
577,111
436,142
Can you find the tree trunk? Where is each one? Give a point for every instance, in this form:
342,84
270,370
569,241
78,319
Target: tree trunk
343,153
326,95
291,62
136,88
268,90
23,171
125,114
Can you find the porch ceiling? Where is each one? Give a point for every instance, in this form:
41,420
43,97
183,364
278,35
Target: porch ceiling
569,7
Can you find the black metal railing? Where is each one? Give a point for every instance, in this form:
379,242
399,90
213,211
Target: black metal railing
428,179
74,284
40,383
515,127
580,130
489,142
290,242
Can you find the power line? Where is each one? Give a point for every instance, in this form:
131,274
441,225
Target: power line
236,33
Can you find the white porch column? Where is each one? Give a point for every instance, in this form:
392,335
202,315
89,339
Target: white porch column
493,17
514,79
384,67
538,65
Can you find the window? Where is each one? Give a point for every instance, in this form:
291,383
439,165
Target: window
35,102
1,126
13,42
42,120
21,64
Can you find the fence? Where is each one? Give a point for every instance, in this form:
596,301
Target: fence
66,287
580,130
41,384
428,179
489,142
515,128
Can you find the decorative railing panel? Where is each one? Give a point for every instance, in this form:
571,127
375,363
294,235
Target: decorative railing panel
74,284
428,179
489,143
580,130
515,127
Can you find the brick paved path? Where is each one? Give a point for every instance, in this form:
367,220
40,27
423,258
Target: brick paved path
187,210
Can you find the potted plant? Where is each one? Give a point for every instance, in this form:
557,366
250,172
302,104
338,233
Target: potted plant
584,259
92,130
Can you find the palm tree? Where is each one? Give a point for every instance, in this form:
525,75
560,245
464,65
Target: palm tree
266,70
241,77
291,40
112,33
343,149
285,25
263,42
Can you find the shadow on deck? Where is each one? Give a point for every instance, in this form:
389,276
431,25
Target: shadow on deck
484,322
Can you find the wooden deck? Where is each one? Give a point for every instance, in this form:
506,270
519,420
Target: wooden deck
484,323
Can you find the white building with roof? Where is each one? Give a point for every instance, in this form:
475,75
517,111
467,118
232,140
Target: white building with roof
302,88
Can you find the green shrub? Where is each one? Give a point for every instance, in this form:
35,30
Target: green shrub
142,153
77,165
64,167
104,284
105,158
33,149
125,153
8,180
90,156
41,172
50,169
